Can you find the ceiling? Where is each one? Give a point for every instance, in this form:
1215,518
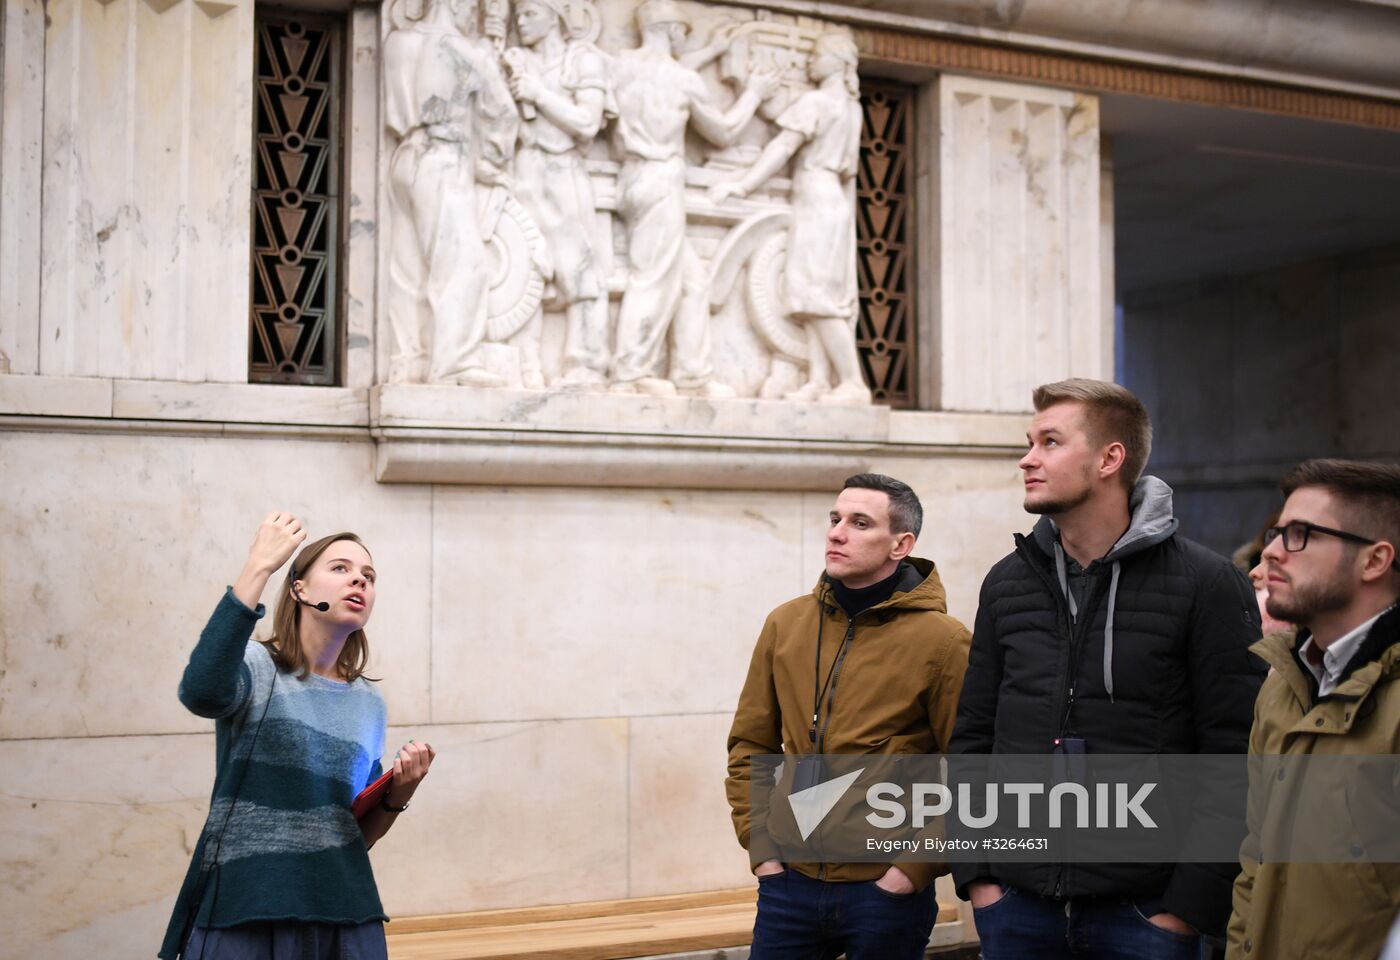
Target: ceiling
1205,191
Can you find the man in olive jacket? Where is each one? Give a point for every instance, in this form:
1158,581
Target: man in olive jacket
868,663
1331,569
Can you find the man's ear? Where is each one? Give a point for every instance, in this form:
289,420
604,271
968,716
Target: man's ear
903,546
1112,459
1379,560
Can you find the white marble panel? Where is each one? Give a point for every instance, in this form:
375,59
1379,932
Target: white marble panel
153,315
95,837
120,546
565,603
72,216
681,839
361,234
512,815
216,167
21,166
146,190
1017,201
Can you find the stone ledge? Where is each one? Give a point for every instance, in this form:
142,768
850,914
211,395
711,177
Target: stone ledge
458,408
164,400
431,434
548,458
239,403
456,435
31,396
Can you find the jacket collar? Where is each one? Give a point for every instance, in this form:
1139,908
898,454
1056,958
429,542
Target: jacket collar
919,588
1377,660
1150,522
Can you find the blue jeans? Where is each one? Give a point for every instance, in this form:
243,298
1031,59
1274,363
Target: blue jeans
1021,926
804,919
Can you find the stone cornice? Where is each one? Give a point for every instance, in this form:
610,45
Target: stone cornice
1341,45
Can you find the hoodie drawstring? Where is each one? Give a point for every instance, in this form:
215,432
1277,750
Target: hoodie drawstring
1108,632
1061,572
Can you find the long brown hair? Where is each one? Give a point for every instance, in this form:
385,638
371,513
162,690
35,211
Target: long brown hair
285,643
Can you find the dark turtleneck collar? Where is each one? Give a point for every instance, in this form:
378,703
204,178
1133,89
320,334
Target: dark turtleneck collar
859,599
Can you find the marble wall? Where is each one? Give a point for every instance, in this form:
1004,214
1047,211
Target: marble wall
1011,204
21,154
574,656
145,194
571,583
127,163
1245,376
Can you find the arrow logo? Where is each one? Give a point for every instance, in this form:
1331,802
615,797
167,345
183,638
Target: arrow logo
810,806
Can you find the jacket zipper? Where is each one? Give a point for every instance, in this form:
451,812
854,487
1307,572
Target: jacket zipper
830,698
1076,631
835,679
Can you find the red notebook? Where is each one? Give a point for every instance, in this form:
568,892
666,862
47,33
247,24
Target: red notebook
371,796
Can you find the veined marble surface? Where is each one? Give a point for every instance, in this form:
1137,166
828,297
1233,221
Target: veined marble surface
536,637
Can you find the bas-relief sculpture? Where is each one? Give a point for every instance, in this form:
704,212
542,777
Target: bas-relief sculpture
447,103
561,85
521,152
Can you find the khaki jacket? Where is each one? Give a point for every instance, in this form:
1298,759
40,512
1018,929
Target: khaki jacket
1319,911
895,691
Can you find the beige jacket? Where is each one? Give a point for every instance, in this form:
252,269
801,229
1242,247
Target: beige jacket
1320,911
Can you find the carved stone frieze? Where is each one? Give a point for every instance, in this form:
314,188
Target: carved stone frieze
651,199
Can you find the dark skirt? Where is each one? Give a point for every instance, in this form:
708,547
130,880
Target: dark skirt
287,940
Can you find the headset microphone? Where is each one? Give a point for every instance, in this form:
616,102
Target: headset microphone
323,606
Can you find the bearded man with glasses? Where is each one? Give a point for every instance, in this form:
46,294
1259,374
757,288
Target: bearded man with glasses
1331,569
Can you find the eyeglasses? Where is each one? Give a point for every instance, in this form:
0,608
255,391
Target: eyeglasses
1295,536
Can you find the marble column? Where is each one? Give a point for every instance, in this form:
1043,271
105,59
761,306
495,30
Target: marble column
21,149
146,210
1011,209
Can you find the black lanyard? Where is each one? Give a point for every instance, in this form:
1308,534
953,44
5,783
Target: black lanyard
819,692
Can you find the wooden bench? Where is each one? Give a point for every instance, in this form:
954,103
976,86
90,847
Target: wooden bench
603,930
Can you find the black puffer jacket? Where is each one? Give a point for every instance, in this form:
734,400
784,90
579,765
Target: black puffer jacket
1170,672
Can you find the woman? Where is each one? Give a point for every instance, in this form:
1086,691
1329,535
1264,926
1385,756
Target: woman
1249,557
821,131
282,869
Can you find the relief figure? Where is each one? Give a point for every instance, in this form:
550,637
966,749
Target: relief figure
820,134
657,97
447,103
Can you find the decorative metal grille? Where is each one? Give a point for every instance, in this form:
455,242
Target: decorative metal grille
885,328
294,334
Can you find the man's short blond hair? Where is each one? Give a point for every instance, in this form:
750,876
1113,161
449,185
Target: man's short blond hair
1111,414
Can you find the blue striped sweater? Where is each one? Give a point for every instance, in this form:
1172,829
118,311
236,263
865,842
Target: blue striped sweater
280,842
